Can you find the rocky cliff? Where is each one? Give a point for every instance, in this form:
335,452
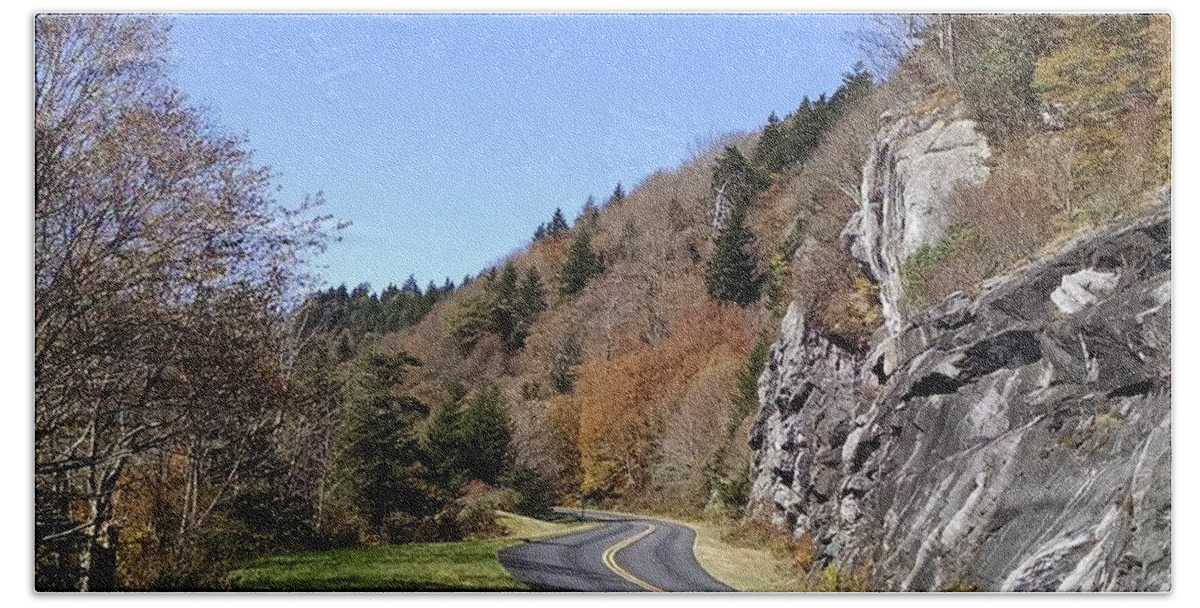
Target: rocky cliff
914,164
1017,439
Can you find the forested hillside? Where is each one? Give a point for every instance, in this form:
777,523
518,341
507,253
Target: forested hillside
193,410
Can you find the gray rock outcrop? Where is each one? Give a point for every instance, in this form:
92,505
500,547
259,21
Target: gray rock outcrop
1016,440
914,164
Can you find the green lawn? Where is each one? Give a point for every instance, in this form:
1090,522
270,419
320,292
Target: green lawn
469,565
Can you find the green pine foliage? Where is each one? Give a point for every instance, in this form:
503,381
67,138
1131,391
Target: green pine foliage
562,368
731,275
471,318
589,216
580,265
354,315
791,141
383,465
617,196
469,439
507,306
506,316
558,223
555,228
532,295
745,399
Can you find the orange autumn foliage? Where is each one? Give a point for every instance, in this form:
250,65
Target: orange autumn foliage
624,402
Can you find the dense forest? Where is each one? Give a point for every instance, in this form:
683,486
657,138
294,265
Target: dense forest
200,399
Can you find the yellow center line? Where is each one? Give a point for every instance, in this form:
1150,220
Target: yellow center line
610,559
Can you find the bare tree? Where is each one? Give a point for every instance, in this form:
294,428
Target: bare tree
162,269
886,38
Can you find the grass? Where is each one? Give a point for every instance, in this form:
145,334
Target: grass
469,565
520,527
742,567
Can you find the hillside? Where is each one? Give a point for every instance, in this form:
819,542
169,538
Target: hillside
912,335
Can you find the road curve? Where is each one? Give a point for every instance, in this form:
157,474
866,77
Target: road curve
626,553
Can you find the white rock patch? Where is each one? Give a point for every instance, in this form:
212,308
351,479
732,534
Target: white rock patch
1082,289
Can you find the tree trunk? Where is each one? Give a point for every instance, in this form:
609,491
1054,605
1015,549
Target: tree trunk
98,558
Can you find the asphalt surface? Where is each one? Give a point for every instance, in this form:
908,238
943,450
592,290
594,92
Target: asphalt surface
625,553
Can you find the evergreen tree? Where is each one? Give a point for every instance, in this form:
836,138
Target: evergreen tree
580,265
731,274
589,215
380,456
469,439
410,286
471,318
562,368
855,85
768,153
444,441
485,436
506,315
618,195
532,295
558,223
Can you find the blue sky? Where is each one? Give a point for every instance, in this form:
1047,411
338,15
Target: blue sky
446,139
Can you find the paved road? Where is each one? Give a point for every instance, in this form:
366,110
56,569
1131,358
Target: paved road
625,553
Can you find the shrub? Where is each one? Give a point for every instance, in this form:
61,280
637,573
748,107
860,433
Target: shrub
999,89
477,506
922,264
852,312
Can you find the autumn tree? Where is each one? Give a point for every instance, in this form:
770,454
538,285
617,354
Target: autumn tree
151,232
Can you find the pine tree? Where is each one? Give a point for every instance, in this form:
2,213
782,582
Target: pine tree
444,440
618,195
731,274
558,223
855,85
589,215
485,436
580,265
532,295
506,314
768,153
562,368
383,462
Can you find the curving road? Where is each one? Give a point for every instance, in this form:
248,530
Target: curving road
626,553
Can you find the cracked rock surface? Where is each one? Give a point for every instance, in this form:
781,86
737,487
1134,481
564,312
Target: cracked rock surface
914,164
1017,440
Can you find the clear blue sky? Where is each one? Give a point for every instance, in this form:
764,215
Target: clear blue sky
446,139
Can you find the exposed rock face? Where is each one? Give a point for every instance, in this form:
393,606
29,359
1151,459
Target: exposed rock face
1016,440
914,164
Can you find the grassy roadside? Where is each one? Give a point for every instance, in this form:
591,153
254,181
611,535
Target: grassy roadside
469,565
742,567
751,557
